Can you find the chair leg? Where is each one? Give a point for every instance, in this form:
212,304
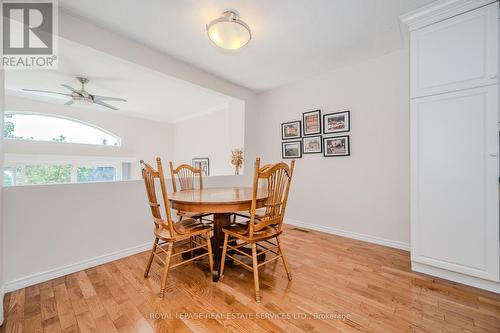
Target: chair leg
210,257
223,260
255,273
151,257
285,263
191,245
165,270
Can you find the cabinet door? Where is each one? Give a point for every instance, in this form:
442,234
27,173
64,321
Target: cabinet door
458,53
454,182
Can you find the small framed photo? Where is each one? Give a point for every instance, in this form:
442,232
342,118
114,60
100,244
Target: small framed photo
336,146
291,149
290,130
311,122
337,122
312,145
203,164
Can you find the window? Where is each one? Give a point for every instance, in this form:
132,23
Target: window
11,176
42,127
56,169
46,174
95,174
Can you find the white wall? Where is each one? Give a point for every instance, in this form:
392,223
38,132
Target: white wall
365,195
141,138
212,135
53,226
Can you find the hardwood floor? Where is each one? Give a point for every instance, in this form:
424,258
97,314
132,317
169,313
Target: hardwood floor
347,284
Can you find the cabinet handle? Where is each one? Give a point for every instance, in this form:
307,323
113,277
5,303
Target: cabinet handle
493,154
493,76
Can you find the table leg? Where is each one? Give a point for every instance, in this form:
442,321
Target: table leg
220,220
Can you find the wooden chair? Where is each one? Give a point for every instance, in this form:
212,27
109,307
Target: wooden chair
167,231
185,175
260,212
259,232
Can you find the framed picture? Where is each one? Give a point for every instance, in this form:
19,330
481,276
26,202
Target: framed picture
336,146
291,149
203,164
312,145
311,122
290,130
337,122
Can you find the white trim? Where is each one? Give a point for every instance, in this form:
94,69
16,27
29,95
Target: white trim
49,158
457,277
351,234
72,268
440,10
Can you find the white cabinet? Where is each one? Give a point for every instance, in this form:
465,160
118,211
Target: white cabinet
458,53
454,172
455,231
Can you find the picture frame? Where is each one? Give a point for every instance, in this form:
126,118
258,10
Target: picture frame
311,122
312,144
291,130
337,122
291,149
336,146
202,163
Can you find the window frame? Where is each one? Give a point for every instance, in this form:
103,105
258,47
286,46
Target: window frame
21,160
57,116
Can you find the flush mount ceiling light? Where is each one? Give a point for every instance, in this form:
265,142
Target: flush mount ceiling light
228,31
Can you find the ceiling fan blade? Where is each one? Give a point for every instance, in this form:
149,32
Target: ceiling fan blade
70,88
106,98
70,102
105,104
46,91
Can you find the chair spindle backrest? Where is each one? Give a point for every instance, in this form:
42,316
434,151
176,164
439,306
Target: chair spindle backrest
150,175
185,175
277,179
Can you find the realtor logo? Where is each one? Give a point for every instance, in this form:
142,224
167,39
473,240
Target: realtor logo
29,37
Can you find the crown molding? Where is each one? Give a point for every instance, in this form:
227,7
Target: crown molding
440,10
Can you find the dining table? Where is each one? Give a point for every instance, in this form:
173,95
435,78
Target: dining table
222,202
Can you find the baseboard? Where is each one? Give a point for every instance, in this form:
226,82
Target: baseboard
72,268
350,234
456,277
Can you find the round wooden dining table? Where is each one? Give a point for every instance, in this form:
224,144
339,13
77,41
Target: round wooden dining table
222,202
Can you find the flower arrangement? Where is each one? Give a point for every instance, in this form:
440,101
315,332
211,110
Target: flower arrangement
237,159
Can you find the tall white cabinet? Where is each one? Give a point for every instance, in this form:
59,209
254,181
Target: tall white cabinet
454,61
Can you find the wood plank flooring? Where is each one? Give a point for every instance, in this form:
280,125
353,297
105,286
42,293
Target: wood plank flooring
339,285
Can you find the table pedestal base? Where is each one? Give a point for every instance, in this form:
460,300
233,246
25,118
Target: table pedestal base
220,220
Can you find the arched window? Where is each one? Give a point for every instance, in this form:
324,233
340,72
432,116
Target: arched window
45,127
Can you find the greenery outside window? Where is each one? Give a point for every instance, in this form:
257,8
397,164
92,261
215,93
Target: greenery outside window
46,174
46,169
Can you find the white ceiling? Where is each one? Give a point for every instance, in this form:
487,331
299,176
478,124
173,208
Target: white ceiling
149,94
292,39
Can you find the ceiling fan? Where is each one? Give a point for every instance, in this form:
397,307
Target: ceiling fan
82,96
